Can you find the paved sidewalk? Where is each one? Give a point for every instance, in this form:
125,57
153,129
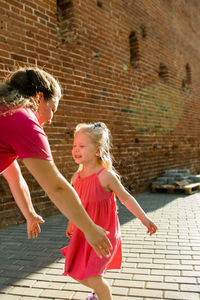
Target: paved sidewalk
163,266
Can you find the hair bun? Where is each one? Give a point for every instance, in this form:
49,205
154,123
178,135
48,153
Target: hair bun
24,83
29,74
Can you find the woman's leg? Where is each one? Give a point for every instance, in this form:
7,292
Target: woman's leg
99,285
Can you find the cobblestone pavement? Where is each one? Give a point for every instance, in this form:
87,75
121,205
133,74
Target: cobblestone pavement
163,266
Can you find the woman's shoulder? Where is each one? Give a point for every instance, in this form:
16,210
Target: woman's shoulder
26,112
26,118
19,113
19,118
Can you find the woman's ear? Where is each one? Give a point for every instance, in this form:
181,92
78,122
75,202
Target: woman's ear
40,96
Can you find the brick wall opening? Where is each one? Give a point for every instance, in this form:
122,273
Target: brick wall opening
188,74
99,4
163,71
187,81
143,31
65,20
134,49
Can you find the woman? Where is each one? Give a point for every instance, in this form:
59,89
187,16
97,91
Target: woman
28,100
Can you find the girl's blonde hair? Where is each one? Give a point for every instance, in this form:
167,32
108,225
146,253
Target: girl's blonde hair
101,137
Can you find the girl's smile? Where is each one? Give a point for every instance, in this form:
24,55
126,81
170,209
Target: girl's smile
84,151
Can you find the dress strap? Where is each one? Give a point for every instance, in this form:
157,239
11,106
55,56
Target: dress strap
100,171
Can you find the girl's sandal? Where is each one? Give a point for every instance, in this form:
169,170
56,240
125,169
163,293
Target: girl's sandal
93,296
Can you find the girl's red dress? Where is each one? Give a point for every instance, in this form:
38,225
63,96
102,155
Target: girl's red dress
81,260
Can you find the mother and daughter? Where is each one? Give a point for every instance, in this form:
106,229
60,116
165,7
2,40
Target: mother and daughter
28,99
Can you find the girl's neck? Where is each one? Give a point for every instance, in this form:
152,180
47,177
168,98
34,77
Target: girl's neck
90,169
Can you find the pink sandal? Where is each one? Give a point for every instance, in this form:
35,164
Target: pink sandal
93,296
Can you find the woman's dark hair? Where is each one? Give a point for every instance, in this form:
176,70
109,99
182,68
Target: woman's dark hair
21,86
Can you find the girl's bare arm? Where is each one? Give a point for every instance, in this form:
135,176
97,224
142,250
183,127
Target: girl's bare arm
111,182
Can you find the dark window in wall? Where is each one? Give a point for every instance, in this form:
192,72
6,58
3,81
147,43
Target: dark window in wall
143,31
183,83
65,20
187,81
163,71
99,4
188,74
134,49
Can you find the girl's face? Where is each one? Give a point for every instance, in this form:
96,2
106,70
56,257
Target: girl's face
84,151
46,109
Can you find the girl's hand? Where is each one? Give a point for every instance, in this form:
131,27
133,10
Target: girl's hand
69,229
33,227
152,228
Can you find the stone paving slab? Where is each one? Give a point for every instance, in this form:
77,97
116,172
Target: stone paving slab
163,266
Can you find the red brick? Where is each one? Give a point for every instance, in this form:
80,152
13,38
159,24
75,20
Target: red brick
154,121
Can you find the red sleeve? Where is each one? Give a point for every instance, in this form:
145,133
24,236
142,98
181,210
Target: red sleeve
29,140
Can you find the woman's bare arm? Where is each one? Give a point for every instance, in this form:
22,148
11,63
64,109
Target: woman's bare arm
21,194
67,201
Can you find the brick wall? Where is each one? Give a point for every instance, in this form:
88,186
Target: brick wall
132,64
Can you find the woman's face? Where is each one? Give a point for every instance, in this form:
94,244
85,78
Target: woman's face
46,109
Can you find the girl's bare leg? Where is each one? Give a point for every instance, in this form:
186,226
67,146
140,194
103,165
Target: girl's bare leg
99,285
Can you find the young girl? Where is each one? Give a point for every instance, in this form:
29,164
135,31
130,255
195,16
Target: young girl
97,183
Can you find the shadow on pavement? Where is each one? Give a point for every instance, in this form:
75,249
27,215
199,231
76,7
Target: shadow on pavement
20,257
149,202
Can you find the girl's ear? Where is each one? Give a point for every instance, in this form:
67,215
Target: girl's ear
98,153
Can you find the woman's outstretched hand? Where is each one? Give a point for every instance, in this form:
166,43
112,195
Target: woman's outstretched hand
98,240
33,227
